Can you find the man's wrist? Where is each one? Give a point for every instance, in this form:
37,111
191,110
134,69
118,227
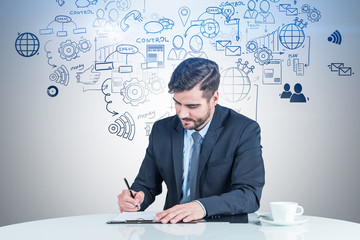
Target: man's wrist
202,206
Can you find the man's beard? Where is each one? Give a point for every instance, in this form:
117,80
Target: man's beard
197,123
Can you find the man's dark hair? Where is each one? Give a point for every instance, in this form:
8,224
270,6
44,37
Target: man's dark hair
193,71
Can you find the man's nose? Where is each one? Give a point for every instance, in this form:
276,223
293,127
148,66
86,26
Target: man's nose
184,112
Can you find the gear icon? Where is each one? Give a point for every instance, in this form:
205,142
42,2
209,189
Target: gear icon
314,15
84,45
251,46
305,8
68,50
134,92
156,85
263,56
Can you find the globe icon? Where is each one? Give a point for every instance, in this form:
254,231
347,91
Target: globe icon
235,84
27,44
291,36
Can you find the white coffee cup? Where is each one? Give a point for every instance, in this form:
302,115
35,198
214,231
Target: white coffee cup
285,211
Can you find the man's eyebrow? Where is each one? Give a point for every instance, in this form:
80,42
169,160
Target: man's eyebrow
188,105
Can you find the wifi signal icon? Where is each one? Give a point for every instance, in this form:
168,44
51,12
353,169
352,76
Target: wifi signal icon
60,75
335,37
124,127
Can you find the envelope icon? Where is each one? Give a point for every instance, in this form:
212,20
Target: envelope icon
283,7
345,71
334,67
232,50
291,11
221,44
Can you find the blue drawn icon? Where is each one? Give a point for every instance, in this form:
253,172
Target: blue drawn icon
177,52
209,28
297,97
272,72
335,37
286,93
84,45
232,51
228,11
251,12
158,26
341,69
196,45
220,45
100,21
123,127
184,14
68,50
292,11
292,35
251,46
265,16
27,44
155,56
263,55
156,85
60,2
123,5
88,77
314,15
60,75
134,92
52,91
284,6
135,15
61,20
85,3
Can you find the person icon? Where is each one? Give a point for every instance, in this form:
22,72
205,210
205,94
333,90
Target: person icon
298,96
99,21
196,45
286,93
265,16
251,12
177,52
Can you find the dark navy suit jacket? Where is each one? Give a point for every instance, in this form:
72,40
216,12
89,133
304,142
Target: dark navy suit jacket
231,170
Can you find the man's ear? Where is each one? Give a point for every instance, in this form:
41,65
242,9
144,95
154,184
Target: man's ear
215,98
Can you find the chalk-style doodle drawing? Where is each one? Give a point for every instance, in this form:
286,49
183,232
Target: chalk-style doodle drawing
251,12
270,41
196,45
60,2
284,6
335,37
298,96
264,16
341,69
235,83
68,50
292,35
85,3
123,5
100,21
286,93
134,92
49,54
84,45
184,14
113,24
263,55
313,14
158,26
251,46
232,51
27,44
64,21
135,15
88,77
105,89
228,11
272,72
156,84
60,75
220,45
209,28
177,52
155,56
52,91
123,127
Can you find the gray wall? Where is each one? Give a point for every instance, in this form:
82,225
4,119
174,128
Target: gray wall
64,155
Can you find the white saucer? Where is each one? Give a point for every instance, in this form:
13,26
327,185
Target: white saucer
268,219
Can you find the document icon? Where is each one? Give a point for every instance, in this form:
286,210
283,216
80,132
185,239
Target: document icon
334,67
221,44
283,7
345,71
233,51
291,11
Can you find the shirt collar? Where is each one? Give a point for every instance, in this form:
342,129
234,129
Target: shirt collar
202,132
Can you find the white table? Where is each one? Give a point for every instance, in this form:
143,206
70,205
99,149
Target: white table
90,227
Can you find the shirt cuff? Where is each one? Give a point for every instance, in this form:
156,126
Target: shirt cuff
202,207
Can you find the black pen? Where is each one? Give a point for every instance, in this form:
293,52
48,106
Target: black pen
132,195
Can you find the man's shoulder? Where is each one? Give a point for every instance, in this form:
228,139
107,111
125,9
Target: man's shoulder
231,116
168,122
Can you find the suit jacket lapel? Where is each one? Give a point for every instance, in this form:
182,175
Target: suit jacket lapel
211,138
177,137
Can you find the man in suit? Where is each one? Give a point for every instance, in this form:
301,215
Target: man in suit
219,171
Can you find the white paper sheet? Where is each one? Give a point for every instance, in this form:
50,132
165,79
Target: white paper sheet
133,216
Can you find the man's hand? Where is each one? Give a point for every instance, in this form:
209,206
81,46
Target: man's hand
127,203
186,212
